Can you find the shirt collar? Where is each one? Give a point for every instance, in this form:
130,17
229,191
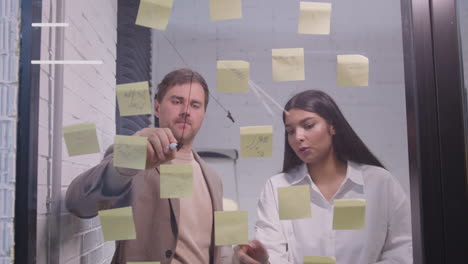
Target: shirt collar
353,173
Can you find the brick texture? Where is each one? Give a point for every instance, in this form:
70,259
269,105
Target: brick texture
88,96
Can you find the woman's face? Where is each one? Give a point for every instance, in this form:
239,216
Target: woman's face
309,135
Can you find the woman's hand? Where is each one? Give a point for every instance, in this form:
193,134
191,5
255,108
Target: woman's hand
253,253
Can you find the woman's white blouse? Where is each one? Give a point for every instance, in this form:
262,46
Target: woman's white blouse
385,239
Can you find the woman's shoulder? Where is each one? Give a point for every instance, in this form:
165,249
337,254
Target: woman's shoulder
371,170
376,174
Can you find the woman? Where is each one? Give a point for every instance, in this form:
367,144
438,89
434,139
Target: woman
323,151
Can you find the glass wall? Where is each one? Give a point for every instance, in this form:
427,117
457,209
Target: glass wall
254,59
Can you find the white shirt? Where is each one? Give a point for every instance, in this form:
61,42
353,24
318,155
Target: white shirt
385,239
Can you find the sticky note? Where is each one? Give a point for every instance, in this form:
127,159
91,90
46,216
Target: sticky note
231,228
154,13
352,70
130,152
256,141
81,139
176,180
319,260
294,202
349,214
233,76
288,64
134,99
117,224
314,18
225,9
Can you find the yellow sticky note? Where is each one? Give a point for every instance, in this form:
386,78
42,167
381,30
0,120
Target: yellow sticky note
256,141
288,64
154,13
294,202
231,228
349,214
225,9
352,70
176,180
81,139
314,18
233,76
134,99
130,152
117,224
319,260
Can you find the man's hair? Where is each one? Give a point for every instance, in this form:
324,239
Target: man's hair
178,77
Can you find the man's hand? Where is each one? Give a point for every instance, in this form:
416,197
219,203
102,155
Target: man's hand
253,253
157,145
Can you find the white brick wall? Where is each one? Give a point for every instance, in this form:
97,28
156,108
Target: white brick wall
9,46
88,96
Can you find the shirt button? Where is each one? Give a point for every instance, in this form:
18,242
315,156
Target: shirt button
168,253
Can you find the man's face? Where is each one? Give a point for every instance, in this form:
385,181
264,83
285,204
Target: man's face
179,114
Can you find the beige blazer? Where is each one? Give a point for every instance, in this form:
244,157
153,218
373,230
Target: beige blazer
156,219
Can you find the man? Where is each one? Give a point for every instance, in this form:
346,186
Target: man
167,230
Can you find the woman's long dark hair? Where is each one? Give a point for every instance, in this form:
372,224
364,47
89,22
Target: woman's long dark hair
346,143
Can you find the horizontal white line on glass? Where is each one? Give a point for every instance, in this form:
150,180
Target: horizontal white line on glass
66,62
49,24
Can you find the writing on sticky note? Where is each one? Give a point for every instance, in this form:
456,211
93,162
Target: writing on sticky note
81,139
176,180
349,214
134,99
154,13
130,152
117,224
225,9
294,202
314,18
256,141
288,64
319,260
233,76
352,70
231,228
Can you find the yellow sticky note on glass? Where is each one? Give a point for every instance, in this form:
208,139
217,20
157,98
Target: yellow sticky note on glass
81,139
349,214
154,13
294,202
231,228
134,99
176,180
256,141
233,76
319,260
288,64
225,9
117,224
314,18
352,70
130,152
